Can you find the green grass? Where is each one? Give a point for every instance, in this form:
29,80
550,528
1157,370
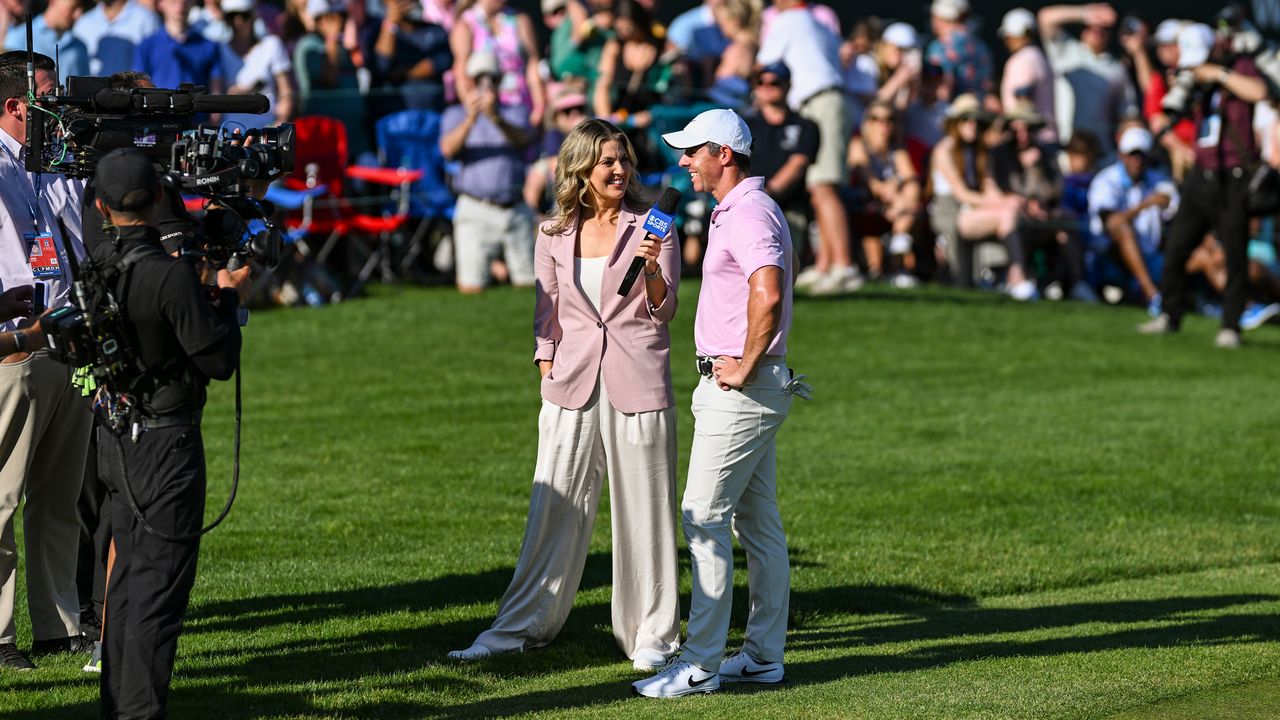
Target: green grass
994,510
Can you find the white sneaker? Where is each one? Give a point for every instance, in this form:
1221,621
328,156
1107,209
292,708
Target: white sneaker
475,652
1161,324
649,660
899,244
904,281
678,678
741,667
1227,339
1024,291
808,277
838,281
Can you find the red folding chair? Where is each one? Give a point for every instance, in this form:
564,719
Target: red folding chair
320,158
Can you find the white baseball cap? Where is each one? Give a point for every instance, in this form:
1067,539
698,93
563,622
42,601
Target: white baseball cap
1135,139
949,9
1167,31
236,6
722,127
1018,22
901,35
1195,42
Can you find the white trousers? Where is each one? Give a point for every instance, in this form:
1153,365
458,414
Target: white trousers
480,231
576,449
732,490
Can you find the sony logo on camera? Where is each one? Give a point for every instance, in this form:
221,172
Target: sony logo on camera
657,223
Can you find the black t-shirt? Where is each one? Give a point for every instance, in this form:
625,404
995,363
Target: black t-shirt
180,338
773,145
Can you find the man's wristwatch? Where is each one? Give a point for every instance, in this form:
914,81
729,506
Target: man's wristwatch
1222,76
19,341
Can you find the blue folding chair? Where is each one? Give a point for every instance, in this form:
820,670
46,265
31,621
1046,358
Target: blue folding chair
410,139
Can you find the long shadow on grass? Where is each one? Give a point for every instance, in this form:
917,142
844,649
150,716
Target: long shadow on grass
398,671
951,634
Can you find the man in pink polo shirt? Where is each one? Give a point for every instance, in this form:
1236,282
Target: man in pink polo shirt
744,314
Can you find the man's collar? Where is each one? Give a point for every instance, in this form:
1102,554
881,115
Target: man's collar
743,187
12,144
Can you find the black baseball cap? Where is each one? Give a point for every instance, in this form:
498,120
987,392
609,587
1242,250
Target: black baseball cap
126,180
779,69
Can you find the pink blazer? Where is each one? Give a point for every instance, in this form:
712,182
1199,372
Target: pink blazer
627,341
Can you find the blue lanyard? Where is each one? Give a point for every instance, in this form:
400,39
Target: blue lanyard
31,207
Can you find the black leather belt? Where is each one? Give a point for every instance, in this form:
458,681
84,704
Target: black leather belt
168,421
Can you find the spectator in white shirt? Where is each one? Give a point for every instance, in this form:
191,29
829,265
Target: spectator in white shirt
256,65
812,52
1026,72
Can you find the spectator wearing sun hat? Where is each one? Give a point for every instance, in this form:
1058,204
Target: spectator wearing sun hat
965,60
489,139
1027,74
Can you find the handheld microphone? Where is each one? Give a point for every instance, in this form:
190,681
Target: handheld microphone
657,224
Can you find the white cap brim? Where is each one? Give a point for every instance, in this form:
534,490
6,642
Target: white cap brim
682,139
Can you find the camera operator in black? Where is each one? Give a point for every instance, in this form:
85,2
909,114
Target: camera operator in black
182,340
1217,89
177,230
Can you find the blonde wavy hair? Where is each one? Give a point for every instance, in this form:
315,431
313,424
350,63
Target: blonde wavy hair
578,156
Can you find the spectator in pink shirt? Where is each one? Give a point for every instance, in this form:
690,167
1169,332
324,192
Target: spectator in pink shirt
1027,73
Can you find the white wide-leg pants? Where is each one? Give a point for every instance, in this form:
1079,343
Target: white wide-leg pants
576,449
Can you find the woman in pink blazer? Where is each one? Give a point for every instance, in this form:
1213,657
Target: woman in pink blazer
607,410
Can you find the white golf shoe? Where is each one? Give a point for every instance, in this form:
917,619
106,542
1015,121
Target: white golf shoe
742,668
678,678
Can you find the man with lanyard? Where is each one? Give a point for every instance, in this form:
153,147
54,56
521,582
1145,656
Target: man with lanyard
744,315
45,423
1215,193
156,472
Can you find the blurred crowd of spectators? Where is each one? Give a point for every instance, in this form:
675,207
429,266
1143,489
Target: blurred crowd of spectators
900,153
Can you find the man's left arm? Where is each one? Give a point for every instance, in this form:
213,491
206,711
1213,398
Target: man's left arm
1242,80
764,316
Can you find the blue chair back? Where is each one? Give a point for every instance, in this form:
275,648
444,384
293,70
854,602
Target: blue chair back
411,139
